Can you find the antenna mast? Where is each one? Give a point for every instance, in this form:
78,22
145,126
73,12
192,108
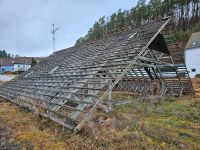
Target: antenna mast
54,39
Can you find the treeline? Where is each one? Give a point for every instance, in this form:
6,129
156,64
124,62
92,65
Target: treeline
184,13
3,53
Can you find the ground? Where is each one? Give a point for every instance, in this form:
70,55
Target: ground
167,124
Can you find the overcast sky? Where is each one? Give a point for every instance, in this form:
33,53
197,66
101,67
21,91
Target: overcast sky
25,25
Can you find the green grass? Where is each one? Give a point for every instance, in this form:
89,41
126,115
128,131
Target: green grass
182,36
196,28
170,124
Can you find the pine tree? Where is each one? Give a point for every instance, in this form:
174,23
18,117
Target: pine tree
33,62
184,13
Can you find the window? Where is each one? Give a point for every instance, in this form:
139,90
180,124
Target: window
193,69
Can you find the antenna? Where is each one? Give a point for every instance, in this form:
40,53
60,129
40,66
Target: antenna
53,33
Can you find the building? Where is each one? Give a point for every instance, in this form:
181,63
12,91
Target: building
22,64
192,54
18,64
7,64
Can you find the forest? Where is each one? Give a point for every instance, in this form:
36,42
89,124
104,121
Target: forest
4,53
185,15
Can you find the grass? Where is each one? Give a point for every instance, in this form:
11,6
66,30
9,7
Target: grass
182,36
36,133
196,28
170,124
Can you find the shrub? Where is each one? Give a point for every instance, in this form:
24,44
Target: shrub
182,36
196,28
197,75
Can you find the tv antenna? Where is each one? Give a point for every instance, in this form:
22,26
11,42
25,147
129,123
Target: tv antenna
53,33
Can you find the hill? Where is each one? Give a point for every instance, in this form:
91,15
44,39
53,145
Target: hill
179,10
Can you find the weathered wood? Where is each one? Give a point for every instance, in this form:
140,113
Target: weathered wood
70,84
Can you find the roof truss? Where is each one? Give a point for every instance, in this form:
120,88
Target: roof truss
71,84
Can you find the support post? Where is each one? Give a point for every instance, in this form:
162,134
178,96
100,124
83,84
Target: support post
110,98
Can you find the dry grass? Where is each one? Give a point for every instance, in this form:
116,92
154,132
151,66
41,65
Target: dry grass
196,85
36,133
170,124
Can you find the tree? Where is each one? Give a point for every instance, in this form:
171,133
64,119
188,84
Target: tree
3,53
120,20
184,13
112,23
155,9
33,62
141,11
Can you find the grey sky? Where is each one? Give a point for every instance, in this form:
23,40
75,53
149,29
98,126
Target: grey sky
25,25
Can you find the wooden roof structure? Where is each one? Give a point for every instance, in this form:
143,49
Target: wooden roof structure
69,85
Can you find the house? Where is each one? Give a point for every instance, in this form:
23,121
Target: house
22,63
192,54
7,64
17,64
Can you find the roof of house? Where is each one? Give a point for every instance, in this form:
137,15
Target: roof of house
23,60
6,61
194,41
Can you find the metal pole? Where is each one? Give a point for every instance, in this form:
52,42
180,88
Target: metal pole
26,65
53,33
1,67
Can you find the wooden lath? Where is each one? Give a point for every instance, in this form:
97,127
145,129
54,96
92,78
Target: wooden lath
70,84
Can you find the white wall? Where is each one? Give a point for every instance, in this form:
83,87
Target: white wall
192,61
21,67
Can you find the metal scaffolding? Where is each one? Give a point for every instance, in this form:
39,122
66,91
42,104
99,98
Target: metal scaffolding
69,85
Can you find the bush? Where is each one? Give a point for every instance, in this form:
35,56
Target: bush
196,28
33,62
197,75
182,36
